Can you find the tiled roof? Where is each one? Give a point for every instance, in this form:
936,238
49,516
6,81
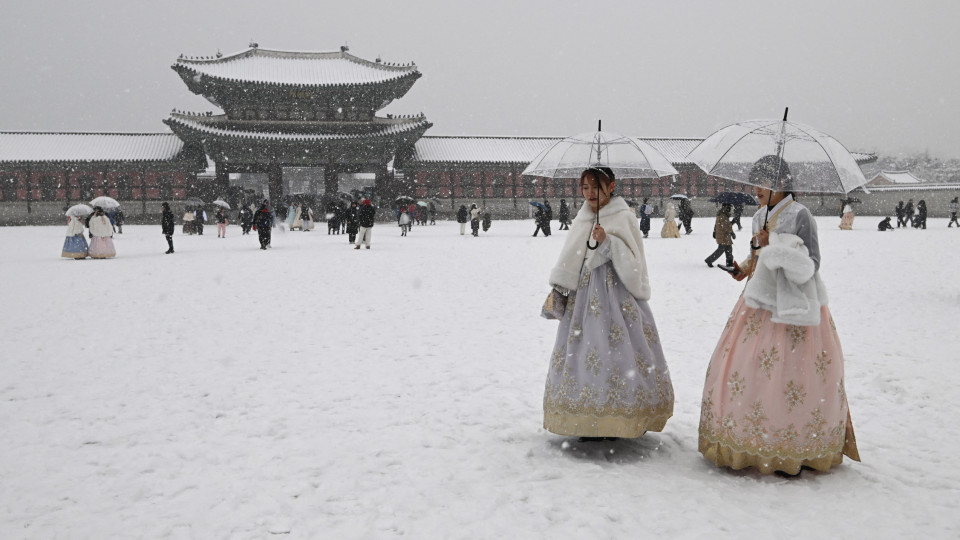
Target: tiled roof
466,149
296,68
208,125
898,177
85,147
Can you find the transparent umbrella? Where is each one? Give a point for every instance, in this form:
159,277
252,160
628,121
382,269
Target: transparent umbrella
627,157
222,203
79,210
817,162
105,202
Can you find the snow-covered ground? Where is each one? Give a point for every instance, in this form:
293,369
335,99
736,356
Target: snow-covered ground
314,391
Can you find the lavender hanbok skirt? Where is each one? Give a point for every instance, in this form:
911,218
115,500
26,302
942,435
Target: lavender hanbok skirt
74,247
607,377
101,247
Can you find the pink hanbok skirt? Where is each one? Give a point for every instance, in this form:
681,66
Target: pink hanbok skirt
101,247
774,397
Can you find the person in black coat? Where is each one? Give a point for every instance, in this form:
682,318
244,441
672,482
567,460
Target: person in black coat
686,215
922,214
246,219
547,217
118,220
908,213
365,218
901,214
737,212
462,216
433,214
198,218
645,211
885,225
263,224
563,215
538,219
353,222
166,225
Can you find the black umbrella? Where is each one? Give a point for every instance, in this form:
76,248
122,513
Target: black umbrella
733,197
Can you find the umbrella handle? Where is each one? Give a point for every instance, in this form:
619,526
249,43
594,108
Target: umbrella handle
594,246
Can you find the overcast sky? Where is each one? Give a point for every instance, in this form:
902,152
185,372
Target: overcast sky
877,75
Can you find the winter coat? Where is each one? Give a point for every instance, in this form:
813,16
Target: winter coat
263,219
723,230
786,283
100,226
405,218
366,215
166,223
954,207
462,215
626,248
474,214
564,214
353,220
899,210
922,210
548,213
221,216
74,226
246,216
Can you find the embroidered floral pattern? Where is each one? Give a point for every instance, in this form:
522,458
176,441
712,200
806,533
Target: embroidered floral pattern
736,384
651,335
768,359
593,361
556,361
821,364
615,336
629,310
594,308
576,334
797,334
753,424
585,279
794,394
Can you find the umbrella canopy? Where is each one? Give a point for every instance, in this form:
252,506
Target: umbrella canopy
193,201
633,204
423,203
538,205
678,196
816,162
627,157
222,204
404,199
79,210
105,202
733,197
851,200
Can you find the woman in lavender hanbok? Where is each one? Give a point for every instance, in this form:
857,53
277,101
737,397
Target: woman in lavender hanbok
607,376
774,397
75,246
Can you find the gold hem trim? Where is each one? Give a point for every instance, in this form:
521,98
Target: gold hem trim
724,455
562,423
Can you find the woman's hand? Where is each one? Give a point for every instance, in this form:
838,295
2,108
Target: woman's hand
599,234
763,238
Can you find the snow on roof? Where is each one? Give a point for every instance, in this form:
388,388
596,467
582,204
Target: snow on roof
479,149
296,68
898,177
195,123
33,146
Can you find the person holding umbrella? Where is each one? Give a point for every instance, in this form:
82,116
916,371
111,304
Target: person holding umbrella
777,371
686,215
670,228
724,235
608,377
75,245
166,225
101,246
737,212
222,222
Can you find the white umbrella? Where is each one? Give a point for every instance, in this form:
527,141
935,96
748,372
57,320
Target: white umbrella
105,202
816,162
79,210
221,203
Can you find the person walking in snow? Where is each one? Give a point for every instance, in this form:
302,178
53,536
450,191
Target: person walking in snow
462,216
901,214
846,222
645,212
166,225
75,245
475,219
774,397
686,214
563,215
365,217
908,213
737,212
487,220
404,221
954,210
263,224
222,221
670,228
199,216
547,217
607,377
433,213
921,214
724,235
101,246
352,217
246,219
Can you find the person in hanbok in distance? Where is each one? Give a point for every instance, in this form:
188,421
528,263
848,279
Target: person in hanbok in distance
607,376
846,222
101,246
222,222
774,396
75,245
670,228
306,215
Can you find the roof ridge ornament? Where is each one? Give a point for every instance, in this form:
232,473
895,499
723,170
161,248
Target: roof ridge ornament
254,44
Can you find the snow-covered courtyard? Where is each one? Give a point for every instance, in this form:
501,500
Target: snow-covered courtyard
315,391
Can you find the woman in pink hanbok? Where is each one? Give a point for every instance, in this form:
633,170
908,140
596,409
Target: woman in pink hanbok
101,246
774,396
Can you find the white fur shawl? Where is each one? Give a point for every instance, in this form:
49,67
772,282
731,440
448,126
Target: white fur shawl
100,226
626,248
786,283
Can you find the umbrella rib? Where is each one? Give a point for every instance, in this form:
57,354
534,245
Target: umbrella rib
729,149
832,162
